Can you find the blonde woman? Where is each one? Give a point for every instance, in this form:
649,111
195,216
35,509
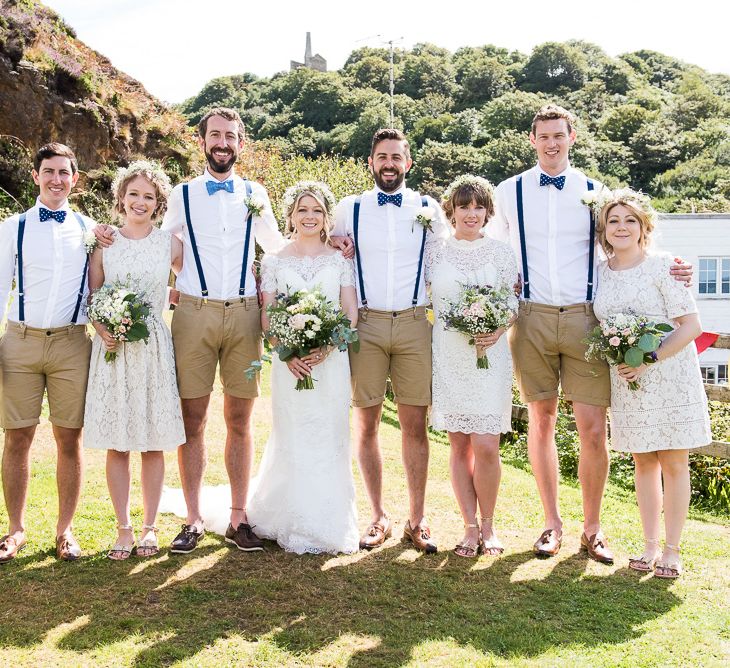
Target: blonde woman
132,403
667,416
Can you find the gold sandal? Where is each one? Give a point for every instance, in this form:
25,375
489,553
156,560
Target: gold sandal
643,565
119,551
490,548
673,568
148,547
469,550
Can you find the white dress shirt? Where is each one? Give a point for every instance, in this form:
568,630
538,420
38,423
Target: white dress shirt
390,242
557,234
219,225
54,256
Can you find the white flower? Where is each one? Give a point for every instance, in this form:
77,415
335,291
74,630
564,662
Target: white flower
309,334
255,204
90,242
297,321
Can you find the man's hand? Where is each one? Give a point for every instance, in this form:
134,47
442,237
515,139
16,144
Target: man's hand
104,235
682,271
517,287
345,245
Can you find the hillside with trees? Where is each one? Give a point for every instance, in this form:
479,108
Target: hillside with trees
645,119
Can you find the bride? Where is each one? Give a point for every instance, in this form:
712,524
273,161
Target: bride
303,496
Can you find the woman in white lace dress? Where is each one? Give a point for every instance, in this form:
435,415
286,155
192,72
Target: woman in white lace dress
303,496
473,405
667,415
132,403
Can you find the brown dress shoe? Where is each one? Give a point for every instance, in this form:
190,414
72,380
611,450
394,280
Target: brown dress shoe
597,547
244,538
420,536
9,548
67,548
376,534
548,545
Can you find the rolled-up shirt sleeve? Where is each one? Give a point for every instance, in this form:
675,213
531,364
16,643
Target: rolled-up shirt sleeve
266,229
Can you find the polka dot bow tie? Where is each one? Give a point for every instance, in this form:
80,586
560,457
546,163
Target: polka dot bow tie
557,181
214,186
45,214
393,199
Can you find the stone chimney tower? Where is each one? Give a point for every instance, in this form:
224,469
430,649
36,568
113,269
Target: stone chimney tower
313,62
308,50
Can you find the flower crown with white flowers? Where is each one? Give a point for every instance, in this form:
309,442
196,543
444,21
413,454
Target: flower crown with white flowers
597,200
146,168
467,180
321,190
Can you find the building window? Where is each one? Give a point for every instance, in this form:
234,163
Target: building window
722,374
715,276
715,374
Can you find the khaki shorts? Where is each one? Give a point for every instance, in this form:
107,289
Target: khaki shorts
205,334
396,345
35,360
548,351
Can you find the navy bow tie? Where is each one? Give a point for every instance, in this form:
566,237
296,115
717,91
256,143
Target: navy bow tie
396,199
45,214
214,186
557,181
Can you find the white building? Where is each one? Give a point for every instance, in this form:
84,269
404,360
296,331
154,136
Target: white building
704,240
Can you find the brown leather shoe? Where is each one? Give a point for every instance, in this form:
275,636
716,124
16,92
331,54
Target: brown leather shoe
9,548
67,548
597,547
377,533
548,545
244,538
420,536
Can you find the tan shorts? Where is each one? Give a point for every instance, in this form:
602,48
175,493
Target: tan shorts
35,360
396,345
205,334
548,351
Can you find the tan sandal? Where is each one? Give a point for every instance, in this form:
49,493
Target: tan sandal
148,547
672,569
119,551
466,548
491,548
645,565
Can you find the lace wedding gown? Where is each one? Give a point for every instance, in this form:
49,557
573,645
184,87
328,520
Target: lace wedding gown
303,496
467,399
669,410
132,404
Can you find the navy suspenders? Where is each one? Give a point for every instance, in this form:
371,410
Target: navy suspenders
21,283
523,244
196,255
361,280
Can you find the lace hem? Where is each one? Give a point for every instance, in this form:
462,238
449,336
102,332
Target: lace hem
471,424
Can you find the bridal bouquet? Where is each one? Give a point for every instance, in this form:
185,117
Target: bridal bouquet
480,310
122,311
302,321
625,338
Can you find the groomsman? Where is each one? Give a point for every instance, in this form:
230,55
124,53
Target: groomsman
395,336
45,346
540,213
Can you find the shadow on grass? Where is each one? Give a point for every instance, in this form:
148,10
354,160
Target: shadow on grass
304,604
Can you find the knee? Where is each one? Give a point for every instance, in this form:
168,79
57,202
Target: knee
674,467
488,452
593,439
542,422
18,441
69,447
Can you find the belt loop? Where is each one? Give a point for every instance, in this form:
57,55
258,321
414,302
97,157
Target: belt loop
199,302
587,307
526,306
22,330
364,314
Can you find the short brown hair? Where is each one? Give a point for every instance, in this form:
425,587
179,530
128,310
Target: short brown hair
384,134
52,150
224,112
645,218
551,112
466,193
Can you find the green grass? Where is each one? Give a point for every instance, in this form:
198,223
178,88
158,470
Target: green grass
391,607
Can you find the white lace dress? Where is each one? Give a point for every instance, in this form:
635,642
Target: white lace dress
669,410
467,399
132,404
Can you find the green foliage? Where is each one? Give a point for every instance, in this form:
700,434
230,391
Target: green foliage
554,68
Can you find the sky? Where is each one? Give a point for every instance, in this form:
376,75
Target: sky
174,48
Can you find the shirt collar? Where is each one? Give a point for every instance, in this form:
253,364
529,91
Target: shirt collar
539,170
208,176
401,190
64,207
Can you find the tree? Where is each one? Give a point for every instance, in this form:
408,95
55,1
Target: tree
463,128
695,101
553,67
481,77
426,69
506,155
622,122
322,101
513,111
438,164
370,72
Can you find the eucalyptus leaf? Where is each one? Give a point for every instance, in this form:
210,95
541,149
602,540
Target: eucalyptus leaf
649,342
634,357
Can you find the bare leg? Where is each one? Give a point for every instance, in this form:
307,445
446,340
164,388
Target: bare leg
239,452
68,475
118,481
675,470
191,455
414,443
544,457
487,475
461,462
367,421
648,483
594,462
153,476
16,474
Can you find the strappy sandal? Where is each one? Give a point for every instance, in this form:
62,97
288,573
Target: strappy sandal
119,551
645,565
466,548
148,547
672,569
490,548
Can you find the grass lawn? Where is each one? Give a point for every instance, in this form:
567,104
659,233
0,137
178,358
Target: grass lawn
391,607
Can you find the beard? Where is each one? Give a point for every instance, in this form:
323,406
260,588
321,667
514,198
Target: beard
220,167
390,185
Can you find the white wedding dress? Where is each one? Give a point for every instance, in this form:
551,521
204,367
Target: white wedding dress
303,496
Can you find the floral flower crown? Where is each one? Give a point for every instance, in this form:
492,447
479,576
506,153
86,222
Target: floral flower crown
324,194
467,180
597,200
150,170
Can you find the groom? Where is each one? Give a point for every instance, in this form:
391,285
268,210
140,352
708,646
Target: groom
395,336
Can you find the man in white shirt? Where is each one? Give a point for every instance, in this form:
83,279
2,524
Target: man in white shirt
395,336
45,346
540,213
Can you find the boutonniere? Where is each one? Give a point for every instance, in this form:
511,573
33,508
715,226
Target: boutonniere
90,242
424,219
255,204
